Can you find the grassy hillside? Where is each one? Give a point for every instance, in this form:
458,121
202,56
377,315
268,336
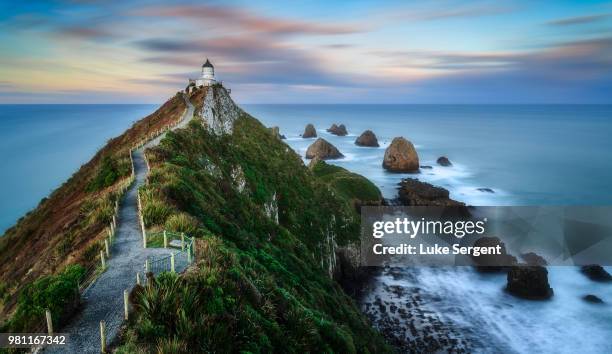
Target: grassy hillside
267,231
67,226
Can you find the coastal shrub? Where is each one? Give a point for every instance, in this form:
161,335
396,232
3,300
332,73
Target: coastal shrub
155,212
111,169
57,293
182,222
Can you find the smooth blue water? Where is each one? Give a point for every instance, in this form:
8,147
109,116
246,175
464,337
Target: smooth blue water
530,155
42,145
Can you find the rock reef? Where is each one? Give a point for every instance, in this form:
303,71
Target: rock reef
323,150
367,138
309,132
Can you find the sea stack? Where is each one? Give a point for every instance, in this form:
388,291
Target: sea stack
367,138
529,282
309,132
339,130
444,161
323,150
401,156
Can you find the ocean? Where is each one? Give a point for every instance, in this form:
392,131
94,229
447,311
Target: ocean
527,154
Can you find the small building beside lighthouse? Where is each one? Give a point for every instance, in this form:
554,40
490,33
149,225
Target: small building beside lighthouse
208,76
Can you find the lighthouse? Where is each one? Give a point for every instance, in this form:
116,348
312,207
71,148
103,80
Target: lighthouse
208,75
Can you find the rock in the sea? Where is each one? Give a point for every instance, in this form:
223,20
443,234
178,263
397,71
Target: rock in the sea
485,190
529,282
309,131
427,167
490,263
367,138
401,156
444,161
323,150
276,133
596,272
413,192
339,130
534,259
592,299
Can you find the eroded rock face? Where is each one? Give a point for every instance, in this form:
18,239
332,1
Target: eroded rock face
367,138
323,150
444,161
339,130
596,272
401,156
276,133
219,112
529,282
309,132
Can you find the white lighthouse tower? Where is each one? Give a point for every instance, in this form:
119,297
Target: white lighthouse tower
208,75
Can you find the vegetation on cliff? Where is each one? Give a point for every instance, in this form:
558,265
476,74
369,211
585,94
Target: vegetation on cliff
268,229
67,227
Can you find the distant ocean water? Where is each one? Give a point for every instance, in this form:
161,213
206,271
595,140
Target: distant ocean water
42,145
529,155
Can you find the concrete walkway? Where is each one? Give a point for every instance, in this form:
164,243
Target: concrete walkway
103,300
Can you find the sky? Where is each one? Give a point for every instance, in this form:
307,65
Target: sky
95,51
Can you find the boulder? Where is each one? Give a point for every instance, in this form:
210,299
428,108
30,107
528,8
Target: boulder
534,259
323,150
491,263
401,156
367,138
592,299
276,133
444,161
309,132
339,130
529,282
596,272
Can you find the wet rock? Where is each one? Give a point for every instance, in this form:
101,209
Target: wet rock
444,161
309,132
426,167
322,149
339,130
367,138
592,299
492,263
401,156
596,272
534,259
413,192
485,190
529,282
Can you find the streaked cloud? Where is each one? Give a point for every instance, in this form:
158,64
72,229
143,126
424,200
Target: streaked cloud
580,20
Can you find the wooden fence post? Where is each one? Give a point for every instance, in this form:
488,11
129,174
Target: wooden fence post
172,269
138,278
125,304
182,241
102,337
49,322
102,260
107,248
165,239
147,265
